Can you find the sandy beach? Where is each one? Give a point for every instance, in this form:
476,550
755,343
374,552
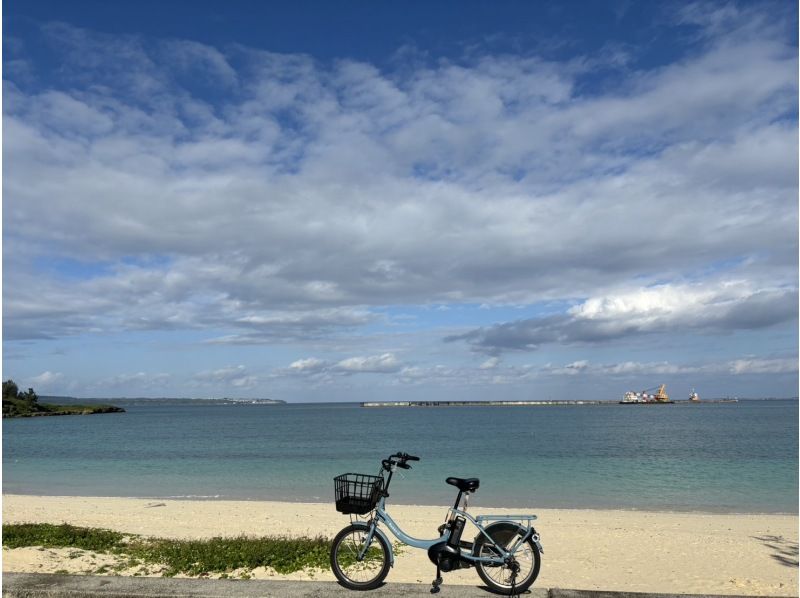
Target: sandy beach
635,551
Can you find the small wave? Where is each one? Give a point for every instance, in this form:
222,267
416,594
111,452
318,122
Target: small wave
195,496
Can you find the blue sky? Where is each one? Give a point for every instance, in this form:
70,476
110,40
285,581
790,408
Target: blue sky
348,201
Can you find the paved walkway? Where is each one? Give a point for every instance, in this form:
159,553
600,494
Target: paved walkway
38,585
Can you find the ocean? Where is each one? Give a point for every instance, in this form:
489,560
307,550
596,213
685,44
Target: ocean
731,457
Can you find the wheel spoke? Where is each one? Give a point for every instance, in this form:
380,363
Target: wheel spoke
500,576
369,568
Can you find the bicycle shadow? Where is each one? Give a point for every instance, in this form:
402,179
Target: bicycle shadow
493,593
785,551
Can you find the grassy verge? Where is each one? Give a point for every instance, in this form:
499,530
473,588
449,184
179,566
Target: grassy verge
190,557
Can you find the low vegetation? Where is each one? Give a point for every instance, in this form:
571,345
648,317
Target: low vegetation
26,404
190,557
19,535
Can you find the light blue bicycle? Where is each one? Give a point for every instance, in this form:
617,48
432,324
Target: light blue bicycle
506,551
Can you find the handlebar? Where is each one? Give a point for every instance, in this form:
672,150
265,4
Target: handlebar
398,459
405,457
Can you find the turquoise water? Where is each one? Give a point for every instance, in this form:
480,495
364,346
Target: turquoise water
740,457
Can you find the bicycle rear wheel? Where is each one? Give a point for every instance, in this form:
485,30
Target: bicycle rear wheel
366,574
501,578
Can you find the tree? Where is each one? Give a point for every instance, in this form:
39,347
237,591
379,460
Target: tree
10,390
29,396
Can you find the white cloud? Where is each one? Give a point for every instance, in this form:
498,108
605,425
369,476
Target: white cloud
200,60
515,188
310,364
236,376
763,366
133,381
376,364
309,196
490,363
46,380
384,363
713,306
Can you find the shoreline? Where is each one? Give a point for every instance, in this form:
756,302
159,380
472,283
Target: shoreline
223,498
635,551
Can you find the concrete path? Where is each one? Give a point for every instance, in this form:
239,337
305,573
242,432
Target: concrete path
38,585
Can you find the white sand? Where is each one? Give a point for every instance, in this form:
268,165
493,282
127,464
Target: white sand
584,549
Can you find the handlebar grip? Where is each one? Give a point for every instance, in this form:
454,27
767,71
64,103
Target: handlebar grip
411,458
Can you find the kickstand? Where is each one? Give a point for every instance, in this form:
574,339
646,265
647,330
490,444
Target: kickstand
437,582
514,570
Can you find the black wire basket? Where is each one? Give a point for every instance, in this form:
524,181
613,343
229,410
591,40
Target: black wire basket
357,493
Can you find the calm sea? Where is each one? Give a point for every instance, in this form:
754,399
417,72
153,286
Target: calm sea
740,457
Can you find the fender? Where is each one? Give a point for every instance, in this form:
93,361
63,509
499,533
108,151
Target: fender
365,527
531,534
514,527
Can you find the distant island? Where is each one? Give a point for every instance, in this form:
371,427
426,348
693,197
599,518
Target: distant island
26,404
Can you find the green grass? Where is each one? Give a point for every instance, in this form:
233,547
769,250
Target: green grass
222,555
190,557
60,536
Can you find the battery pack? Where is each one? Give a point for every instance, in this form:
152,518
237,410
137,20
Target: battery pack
456,529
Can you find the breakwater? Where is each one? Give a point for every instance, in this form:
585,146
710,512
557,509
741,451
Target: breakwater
477,403
525,403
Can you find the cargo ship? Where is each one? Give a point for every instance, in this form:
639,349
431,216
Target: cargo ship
638,398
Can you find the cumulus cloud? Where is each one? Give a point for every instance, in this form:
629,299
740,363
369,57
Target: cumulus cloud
385,363
490,363
763,366
310,364
299,203
628,371
235,376
136,380
722,307
46,380
376,364
297,192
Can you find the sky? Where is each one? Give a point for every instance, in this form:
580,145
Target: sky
348,201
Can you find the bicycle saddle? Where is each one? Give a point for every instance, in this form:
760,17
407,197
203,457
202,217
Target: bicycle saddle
465,485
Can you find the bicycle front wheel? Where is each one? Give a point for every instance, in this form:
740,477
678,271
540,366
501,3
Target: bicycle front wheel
371,570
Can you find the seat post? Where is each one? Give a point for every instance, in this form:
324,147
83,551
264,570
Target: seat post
458,500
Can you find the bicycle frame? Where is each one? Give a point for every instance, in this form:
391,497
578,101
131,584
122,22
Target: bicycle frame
382,516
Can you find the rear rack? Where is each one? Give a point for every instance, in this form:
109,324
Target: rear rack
527,518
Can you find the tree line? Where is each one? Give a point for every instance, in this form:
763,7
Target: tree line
11,392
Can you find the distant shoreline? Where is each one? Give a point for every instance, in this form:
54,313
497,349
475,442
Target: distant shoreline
163,400
67,400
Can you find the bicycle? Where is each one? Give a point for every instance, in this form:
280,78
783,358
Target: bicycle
506,551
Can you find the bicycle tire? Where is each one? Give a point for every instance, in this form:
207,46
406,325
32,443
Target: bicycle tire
343,551
504,533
